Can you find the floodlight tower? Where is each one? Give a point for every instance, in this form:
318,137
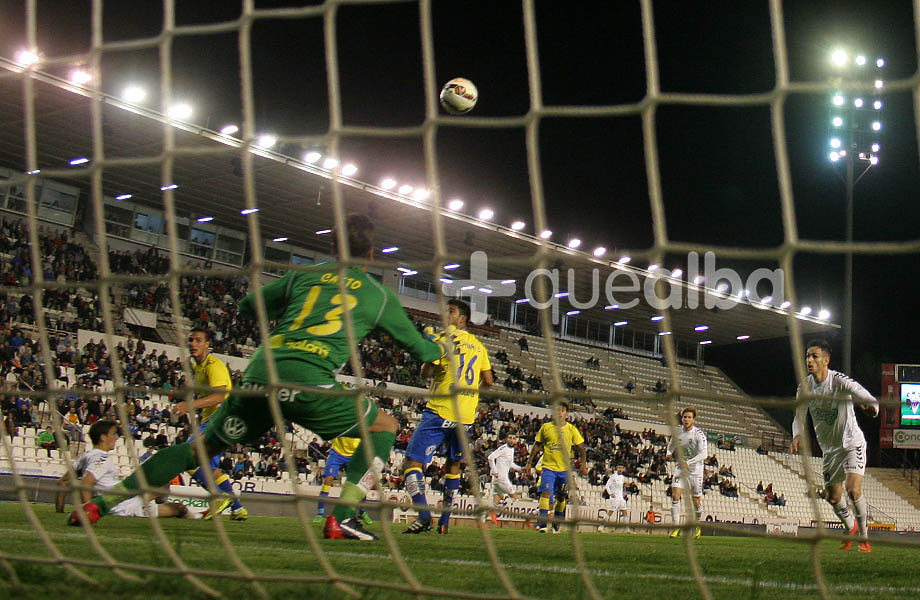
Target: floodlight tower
855,125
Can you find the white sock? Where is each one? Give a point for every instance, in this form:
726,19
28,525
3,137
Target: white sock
843,513
861,510
675,512
699,512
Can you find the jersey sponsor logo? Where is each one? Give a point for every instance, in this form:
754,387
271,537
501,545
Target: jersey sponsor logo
235,428
313,347
284,394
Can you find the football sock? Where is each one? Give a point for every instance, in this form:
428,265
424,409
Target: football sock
321,507
415,487
544,511
861,509
699,512
451,486
843,513
675,512
559,510
365,475
159,469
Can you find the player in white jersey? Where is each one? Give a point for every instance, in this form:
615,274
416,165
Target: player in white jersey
96,469
691,441
501,462
841,440
616,501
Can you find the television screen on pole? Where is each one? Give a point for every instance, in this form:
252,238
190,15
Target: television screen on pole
910,404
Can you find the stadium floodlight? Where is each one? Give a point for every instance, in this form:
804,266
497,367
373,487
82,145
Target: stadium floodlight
446,280
349,170
312,157
36,172
388,183
876,125
676,273
806,310
421,194
507,281
390,249
837,121
574,243
664,333
451,267
405,189
766,300
518,225
880,63
612,307
657,318
624,260
455,204
205,219
701,328
839,100
229,129
873,160
834,156
266,140
485,214
546,234
181,111
652,268
280,239
572,313
485,290
403,269
722,287
839,57
134,94
561,295
824,314
699,279
323,231
835,142
877,105
171,186
123,197
409,273
743,337
520,301
858,102
78,161
599,251
467,288
620,323
330,163
249,211
842,153
876,147
879,84
786,304
704,342
27,57
860,60
80,77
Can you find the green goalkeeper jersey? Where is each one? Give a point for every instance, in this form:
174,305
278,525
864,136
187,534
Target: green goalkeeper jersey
308,308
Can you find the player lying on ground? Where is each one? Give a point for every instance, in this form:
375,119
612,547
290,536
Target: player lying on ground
554,478
308,345
440,421
691,441
842,441
97,469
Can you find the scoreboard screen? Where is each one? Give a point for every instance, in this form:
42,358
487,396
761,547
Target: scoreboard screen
910,404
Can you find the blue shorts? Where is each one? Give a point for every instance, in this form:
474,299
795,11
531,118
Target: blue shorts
215,460
434,432
553,481
334,462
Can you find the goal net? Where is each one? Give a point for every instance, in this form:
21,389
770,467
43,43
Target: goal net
126,220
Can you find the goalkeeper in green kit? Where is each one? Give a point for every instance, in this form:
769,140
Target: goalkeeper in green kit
308,345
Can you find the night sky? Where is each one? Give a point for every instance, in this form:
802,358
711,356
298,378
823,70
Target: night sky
718,165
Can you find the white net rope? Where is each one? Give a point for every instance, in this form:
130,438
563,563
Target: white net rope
543,257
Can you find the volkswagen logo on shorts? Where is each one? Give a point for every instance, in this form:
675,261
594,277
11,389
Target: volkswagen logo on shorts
235,428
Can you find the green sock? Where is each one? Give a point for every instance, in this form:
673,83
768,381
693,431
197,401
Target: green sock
355,489
159,471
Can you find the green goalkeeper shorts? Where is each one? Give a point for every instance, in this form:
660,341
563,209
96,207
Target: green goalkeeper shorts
243,419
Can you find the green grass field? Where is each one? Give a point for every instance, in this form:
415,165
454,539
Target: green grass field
540,566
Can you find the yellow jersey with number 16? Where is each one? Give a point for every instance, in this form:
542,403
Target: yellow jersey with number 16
460,374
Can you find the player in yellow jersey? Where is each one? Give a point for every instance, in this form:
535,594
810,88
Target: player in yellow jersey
554,479
342,450
212,372
440,421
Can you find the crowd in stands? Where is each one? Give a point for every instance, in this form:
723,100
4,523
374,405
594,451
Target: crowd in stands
770,497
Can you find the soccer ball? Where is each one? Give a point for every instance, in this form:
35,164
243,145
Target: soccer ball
458,96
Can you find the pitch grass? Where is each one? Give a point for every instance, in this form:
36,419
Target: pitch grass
539,565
